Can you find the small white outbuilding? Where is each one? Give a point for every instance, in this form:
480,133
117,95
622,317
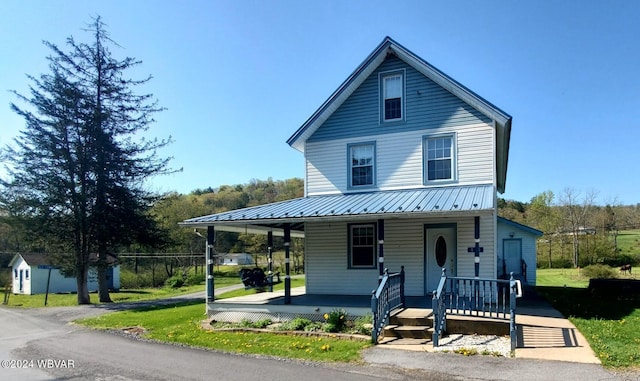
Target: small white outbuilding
30,275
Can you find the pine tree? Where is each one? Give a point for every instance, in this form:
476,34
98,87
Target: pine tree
79,166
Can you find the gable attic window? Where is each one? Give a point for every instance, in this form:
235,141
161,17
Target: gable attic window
361,164
439,158
392,87
362,246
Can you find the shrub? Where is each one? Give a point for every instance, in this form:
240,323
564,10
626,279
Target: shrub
297,324
143,279
335,320
195,279
364,324
175,281
246,323
599,272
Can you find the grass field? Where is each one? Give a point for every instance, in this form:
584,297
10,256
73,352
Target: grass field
629,242
611,325
60,300
182,324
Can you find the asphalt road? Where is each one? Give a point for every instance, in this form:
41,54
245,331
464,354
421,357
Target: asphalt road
40,344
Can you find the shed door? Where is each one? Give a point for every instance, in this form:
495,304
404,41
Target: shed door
512,251
21,281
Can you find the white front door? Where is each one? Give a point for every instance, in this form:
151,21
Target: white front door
440,252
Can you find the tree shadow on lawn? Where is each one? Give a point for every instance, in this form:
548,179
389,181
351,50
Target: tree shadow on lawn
170,304
582,303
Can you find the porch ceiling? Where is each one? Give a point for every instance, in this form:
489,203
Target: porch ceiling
352,206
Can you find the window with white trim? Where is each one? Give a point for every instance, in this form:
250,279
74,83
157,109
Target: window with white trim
362,246
392,97
439,158
362,164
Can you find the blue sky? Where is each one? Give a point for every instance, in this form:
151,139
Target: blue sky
239,77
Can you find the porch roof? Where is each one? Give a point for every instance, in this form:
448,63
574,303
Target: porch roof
351,206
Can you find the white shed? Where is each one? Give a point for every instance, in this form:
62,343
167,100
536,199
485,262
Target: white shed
235,259
517,250
30,273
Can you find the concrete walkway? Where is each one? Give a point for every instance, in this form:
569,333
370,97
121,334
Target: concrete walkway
543,334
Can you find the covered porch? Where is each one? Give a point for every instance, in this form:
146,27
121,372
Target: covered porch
272,305
401,217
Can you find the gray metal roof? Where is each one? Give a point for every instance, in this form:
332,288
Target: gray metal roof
400,203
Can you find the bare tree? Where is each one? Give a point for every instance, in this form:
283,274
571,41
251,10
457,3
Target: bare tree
575,212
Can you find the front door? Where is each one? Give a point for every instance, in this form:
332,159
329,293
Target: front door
440,252
21,281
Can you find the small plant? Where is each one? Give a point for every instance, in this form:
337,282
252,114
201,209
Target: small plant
335,320
363,325
466,351
246,323
297,324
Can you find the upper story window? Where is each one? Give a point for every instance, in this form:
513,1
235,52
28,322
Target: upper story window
392,86
439,161
362,245
362,159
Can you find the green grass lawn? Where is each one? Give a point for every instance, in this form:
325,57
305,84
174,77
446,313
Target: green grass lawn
629,242
182,324
561,278
611,326
60,300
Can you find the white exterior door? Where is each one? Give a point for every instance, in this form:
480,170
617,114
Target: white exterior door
440,251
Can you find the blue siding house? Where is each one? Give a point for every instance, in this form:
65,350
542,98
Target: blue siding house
402,168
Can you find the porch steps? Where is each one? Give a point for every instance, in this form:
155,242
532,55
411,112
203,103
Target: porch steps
409,324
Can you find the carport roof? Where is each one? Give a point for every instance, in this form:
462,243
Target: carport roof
351,206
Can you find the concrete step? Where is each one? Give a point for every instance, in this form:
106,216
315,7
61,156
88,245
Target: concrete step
412,317
408,331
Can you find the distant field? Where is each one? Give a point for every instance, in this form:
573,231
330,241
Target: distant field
629,242
561,278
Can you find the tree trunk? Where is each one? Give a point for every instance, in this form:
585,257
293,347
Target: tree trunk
82,273
103,283
576,262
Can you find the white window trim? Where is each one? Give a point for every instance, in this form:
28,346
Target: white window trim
350,167
454,159
382,76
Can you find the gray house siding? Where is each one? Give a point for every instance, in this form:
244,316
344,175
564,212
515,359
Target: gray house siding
427,106
430,110
326,254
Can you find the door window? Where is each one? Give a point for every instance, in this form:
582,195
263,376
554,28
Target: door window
441,251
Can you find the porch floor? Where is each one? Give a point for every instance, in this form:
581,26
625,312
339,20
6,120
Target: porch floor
299,297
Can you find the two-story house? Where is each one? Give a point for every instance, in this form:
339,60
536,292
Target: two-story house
402,168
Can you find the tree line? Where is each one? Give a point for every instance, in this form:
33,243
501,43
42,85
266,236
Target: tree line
577,231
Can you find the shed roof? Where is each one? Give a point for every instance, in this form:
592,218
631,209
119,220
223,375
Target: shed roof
520,226
350,206
34,259
501,119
